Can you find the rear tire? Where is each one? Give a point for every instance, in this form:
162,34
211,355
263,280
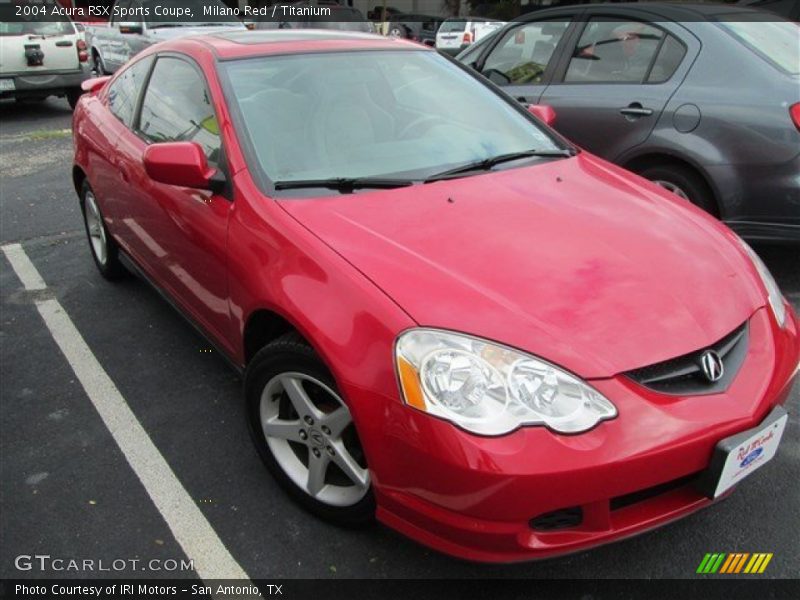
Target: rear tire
73,96
683,182
104,249
304,433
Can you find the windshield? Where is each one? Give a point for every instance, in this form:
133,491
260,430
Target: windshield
776,41
395,114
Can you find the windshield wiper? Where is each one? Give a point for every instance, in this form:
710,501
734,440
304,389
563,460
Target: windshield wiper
344,184
487,163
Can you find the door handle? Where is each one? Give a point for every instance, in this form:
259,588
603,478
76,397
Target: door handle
635,109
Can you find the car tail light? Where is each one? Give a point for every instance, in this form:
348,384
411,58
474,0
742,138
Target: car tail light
794,111
83,55
467,38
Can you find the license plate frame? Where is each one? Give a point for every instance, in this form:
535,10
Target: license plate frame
739,456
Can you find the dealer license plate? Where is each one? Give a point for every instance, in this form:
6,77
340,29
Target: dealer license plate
740,455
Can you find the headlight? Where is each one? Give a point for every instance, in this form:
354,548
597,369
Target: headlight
491,389
774,295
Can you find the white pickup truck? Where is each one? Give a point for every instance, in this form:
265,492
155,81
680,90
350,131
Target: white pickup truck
136,24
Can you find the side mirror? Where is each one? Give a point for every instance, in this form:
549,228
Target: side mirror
131,27
183,164
95,84
544,113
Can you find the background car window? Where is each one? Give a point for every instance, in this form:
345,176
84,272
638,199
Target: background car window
54,26
614,52
523,54
177,108
452,25
774,41
124,91
669,57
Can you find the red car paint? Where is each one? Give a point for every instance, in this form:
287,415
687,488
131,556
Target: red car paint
575,260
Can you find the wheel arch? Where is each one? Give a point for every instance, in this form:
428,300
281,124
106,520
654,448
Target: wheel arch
78,177
646,160
264,326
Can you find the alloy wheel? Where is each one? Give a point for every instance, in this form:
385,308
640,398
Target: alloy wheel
94,225
311,434
675,189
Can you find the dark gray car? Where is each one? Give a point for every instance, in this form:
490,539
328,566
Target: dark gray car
703,99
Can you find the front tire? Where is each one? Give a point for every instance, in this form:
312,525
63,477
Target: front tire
104,249
305,434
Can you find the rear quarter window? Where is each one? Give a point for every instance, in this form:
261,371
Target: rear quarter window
777,42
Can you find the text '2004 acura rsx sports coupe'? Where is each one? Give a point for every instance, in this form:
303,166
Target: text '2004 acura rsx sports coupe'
448,318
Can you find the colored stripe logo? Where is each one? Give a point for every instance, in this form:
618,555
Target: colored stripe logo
734,562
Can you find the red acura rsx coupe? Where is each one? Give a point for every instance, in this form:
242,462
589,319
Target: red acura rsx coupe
447,316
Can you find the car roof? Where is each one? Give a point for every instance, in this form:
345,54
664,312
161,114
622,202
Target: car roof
674,11
242,44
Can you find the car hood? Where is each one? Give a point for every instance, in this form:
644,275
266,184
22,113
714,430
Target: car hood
574,260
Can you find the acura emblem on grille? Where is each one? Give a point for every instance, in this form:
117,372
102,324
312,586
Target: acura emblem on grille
712,366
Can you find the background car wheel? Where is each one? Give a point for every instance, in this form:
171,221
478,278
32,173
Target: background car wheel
73,96
683,182
103,247
99,66
397,31
304,433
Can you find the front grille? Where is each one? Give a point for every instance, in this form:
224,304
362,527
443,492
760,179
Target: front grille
683,375
558,519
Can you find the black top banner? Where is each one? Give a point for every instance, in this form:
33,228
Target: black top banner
369,13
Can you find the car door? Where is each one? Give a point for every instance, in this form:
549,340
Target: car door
111,176
181,233
522,58
614,81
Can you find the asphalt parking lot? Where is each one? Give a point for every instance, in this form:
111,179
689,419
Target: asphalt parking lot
68,490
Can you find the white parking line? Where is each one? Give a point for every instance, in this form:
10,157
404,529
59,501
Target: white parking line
24,268
191,529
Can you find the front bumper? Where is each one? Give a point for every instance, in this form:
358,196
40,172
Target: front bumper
54,83
484,498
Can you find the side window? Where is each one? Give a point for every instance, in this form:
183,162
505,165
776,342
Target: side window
523,54
614,52
124,91
669,58
177,108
